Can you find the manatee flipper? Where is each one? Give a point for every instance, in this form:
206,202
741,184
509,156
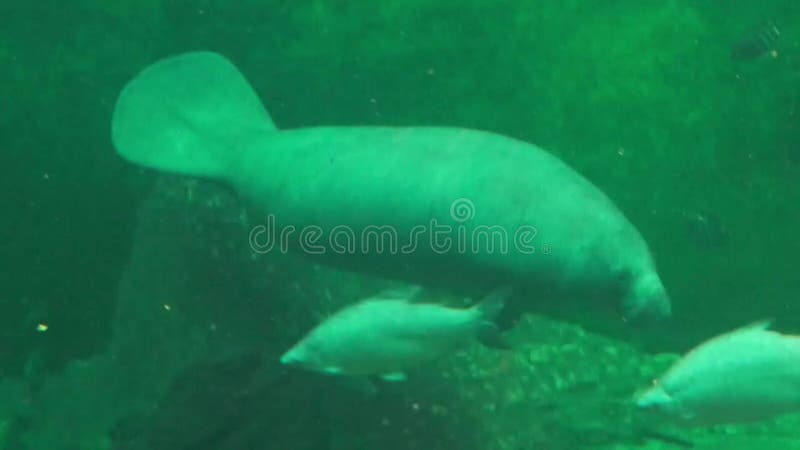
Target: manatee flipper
188,114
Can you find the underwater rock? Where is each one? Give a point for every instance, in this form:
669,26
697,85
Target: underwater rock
209,404
247,401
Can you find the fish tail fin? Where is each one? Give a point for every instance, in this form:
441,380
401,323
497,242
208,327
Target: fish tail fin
188,114
492,304
488,309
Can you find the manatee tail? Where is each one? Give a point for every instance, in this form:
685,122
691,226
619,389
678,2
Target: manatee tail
488,332
188,114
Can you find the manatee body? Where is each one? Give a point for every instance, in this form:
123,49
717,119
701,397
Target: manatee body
746,375
386,336
443,206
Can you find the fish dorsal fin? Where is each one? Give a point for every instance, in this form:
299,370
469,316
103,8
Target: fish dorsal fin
753,327
402,292
757,327
760,325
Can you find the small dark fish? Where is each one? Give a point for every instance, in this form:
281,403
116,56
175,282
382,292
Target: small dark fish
756,43
706,229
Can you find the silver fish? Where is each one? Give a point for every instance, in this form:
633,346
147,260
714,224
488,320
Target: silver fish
748,374
385,336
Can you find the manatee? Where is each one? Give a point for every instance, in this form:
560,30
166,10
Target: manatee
446,207
385,336
745,375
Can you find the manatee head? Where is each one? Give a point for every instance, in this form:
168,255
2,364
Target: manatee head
647,298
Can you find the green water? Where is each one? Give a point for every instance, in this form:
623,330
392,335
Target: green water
129,297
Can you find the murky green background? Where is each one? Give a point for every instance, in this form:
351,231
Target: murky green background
701,152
